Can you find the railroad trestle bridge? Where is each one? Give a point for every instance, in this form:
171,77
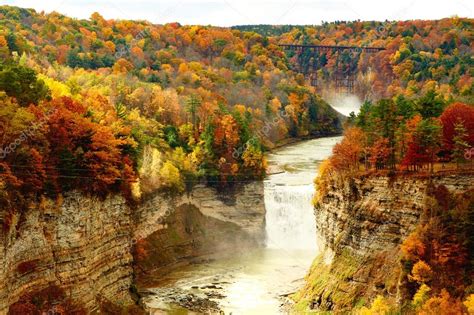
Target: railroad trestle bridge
311,58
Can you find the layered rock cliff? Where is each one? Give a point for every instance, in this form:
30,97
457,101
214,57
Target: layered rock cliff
79,244
196,226
361,223
85,245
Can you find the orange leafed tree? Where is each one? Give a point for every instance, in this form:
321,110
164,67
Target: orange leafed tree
226,139
83,151
380,153
348,152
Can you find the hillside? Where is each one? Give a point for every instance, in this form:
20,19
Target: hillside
209,99
420,55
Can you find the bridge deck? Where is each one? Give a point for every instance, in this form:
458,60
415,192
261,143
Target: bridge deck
330,47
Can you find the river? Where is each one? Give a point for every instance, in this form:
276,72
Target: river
256,282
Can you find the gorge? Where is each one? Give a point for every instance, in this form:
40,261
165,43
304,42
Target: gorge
241,253
181,242
149,167
361,224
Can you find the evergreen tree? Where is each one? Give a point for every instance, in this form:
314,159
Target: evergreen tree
429,133
22,83
460,143
192,105
430,105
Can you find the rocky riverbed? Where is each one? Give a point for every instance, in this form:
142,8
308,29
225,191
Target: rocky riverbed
256,282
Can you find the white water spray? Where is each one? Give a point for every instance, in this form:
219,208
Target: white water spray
345,103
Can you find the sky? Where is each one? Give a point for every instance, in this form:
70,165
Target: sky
229,12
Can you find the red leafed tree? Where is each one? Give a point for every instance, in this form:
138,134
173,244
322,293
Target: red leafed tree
7,178
415,156
85,152
380,153
452,114
424,144
128,177
36,174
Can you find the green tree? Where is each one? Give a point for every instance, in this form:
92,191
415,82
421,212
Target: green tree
385,122
22,83
12,42
429,136
363,117
405,107
430,105
192,105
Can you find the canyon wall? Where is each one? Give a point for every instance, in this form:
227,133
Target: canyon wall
360,224
84,245
79,244
202,224
243,206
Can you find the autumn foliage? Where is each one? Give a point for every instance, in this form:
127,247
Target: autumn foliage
397,137
65,149
457,113
437,257
347,153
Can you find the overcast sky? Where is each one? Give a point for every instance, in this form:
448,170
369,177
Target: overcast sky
236,12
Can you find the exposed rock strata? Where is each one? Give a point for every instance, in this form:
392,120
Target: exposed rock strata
361,223
196,226
84,245
81,244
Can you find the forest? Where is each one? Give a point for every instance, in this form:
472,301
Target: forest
99,92
417,138
419,55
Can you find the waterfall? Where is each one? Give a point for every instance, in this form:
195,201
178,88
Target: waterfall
290,222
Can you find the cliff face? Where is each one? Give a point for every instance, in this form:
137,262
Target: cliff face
361,223
81,245
84,245
196,226
242,206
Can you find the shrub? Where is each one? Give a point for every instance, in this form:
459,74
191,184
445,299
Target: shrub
442,304
469,303
421,296
378,307
171,177
421,272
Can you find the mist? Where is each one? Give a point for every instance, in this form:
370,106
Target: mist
345,103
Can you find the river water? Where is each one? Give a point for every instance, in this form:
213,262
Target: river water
257,281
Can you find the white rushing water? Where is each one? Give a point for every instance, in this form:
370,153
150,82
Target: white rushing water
289,217
253,283
290,222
